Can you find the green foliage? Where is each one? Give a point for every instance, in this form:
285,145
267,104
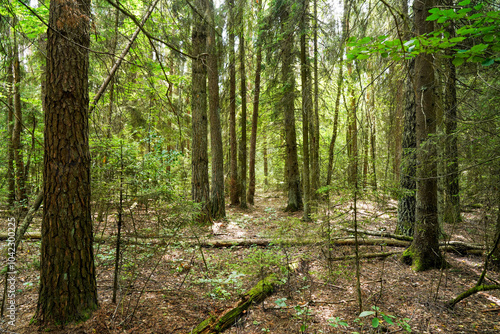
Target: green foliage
221,285
480,25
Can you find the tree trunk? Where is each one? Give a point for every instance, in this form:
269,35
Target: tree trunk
17,146
293,174
68,290
331,150
265,158
315,177
407,200
233,183
452,187
352,136
306,108
255,114
424,251
218,208
243,117
199,159
11,178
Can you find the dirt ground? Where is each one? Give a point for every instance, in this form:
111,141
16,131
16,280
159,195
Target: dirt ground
173,285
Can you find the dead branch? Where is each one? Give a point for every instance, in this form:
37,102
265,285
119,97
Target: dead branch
254,296
470,292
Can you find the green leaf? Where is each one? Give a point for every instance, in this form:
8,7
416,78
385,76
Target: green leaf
375,322
464,10
365,40
384,54
489,38
488,62
479,48
363,56
478,7
464,3
458,61
433,17
387,319
366,313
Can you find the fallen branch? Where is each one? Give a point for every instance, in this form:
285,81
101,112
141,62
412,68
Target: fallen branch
364,256
470,292
217,324
456,246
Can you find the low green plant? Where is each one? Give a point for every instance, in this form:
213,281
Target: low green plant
221,285
377,319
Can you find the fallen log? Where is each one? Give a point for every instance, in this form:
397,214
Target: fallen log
364,256
457,246
470,292
217,324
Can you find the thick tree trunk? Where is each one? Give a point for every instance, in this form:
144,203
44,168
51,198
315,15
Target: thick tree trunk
68,290
255,115
293,174
243,117
199,159
233,175
218,208
424,252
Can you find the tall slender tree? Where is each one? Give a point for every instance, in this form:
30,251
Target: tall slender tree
233,155
424,251
407,199
306,108
199,159
255,112
68,290
288,98
218,209
243,116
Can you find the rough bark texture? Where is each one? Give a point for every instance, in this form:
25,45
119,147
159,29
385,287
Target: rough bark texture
243,117
292,164
233,174
306,110
406,202
17,146
452,188
11,197
217,201
199,159
424,252
68,290
255,116
315,177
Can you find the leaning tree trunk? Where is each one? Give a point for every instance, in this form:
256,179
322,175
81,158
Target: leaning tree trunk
68,290
424,251
199,159
217,201
293,175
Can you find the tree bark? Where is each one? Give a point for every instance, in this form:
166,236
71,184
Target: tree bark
199,159
17,146
424,251
293,174
452,187
407,199
315,177
11,178
306,109
218,206
243,117
255,114
233,183
68,290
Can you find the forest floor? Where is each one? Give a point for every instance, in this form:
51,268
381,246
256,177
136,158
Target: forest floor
171,285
